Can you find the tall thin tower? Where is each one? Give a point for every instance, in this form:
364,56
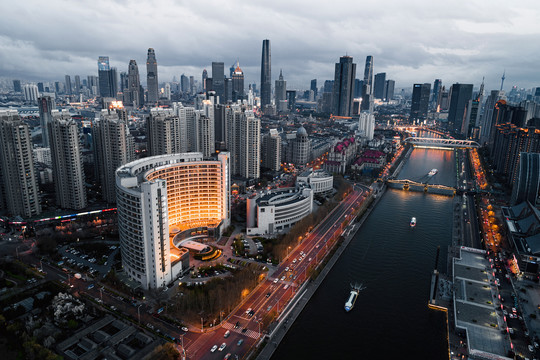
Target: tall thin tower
152,76
266,76
502,79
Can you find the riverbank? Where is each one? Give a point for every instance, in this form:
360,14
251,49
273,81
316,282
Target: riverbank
304,295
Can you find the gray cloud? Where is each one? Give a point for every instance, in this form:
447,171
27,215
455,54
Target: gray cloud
412,41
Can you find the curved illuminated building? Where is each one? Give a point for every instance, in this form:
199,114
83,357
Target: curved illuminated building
181,192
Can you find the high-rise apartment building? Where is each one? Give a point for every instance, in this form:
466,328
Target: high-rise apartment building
367,85
77,89
266,74
420,101
301,148
313,87
527,183
281,93
113,147
204,77
152,77
17,86
271,150
167,133
379,87
486,120
345,73
237,83
31,93
459,102
67,162
206,132
18,180
218,80
250,147
46,105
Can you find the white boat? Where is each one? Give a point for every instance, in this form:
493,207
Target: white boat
433,172
355,290
413,222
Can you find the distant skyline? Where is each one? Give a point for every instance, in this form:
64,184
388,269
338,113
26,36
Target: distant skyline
413,42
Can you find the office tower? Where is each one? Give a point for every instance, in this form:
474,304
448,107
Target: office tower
152,77
204,77
486,121
184,84
67,162
281,93
237,83
379,87
291,100
459,101
218,79
473,116
328,86
266,74
191,84
250,147
17,86
46,106
134,85
358,84
124,85
389,95
169,196
113,147
368,75
227,90
313,88
271,150
301,147
57,87
18,180
527,183
444,102
436,95
77,84
167,91
345,72
107,78
93,84
40,87
420,101
31,93
68,85
167,133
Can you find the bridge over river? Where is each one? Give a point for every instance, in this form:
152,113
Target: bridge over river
407,184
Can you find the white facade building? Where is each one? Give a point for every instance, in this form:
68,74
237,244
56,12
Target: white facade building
319,181
157,193
278,210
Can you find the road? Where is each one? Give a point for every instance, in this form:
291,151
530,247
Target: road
276,291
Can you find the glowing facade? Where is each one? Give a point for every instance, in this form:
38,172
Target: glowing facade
157,193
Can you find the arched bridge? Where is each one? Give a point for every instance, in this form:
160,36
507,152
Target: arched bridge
418,186
450,143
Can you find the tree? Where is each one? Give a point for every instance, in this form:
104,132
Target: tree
164,352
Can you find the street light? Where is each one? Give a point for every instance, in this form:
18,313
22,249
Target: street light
139,313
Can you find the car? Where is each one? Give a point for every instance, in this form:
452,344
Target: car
214,348
286,287
250,314
303,255
268,294
531,349
248,311
287,268
309,259
317,246
227,356
282,278
150,326
237,325
276,280
227,333
244,330
240,342
113,308
294,261
185,329
514,310
505,312
222,347
91,286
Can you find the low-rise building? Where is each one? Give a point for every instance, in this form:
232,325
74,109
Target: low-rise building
320,181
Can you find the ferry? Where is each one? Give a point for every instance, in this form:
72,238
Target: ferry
355,290
433,172
413,222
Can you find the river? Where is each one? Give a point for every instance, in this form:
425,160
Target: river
394,262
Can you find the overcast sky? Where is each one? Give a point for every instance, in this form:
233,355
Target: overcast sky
413,41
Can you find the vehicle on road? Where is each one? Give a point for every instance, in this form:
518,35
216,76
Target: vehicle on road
248,311
150,326
185,329
237,325
240,342
283,278
268,294
227,333
214,348
276,280
227,356
287,268
222,347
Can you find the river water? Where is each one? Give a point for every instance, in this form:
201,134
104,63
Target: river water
391,319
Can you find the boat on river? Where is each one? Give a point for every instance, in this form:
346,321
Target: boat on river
413,222
355,290
433,172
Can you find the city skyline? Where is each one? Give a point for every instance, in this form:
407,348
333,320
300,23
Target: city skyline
463,44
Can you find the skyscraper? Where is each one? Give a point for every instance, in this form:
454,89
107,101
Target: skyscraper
113,147
345,72
77,85
379,88
459,102
31,93
18,179
237,83
420,101
527,184
68,85
250,148
313,88
152,77
67,163
107,78
17,86
436,95
218,79
367,85
46,105
167,133
486,121
271,150
204,77
390,84
134,85
281,93
266,75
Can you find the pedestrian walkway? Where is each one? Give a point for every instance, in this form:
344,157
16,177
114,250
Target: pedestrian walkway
250,333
